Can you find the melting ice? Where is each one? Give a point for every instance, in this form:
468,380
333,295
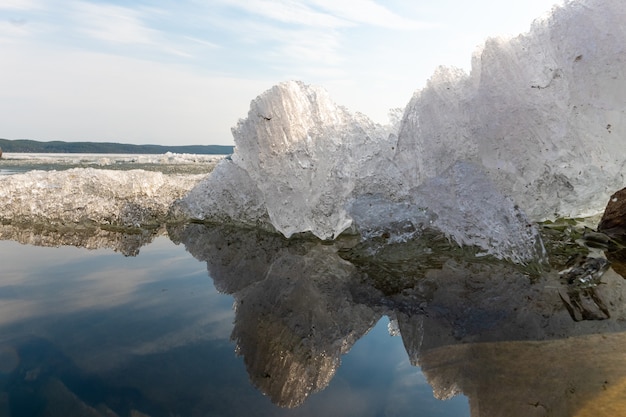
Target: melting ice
87,196
533,132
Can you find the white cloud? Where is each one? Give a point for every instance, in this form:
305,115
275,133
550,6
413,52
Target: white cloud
291,12
11,29
202,42
124,26
310,47
99,70
328,13
310,38
370,13
20,4
112,23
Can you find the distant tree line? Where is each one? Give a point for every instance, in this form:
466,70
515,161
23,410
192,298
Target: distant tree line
33,146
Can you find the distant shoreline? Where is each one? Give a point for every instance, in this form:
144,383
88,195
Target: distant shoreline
34,146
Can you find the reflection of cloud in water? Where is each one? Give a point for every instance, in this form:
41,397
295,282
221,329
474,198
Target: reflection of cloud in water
102,308
217,326
9,359
37,292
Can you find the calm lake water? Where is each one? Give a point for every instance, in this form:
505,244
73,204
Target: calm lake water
213,320
230,322
93,332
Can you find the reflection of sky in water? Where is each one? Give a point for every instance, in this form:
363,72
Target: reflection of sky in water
376,379
151,333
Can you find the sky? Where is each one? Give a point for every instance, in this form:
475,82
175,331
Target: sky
182,72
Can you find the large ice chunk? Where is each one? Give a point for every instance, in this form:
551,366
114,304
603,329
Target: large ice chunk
300,156
543,113
472,212
302,163
305,153
539,119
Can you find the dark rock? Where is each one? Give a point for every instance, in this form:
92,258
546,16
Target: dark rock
618,260
613,222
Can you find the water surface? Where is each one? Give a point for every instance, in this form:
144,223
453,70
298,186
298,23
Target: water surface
94,332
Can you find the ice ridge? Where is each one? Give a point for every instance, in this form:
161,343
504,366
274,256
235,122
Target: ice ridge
91,196
534,128
534,131
304,164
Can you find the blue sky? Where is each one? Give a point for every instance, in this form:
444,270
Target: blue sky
184,72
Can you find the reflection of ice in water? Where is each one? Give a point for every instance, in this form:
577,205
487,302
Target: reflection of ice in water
314,302
117,331
465,321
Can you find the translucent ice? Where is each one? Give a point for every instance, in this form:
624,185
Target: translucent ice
464,205
304,164
536,127
540,117
298,156
167,163
227,195
543,113
121,198
472,212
